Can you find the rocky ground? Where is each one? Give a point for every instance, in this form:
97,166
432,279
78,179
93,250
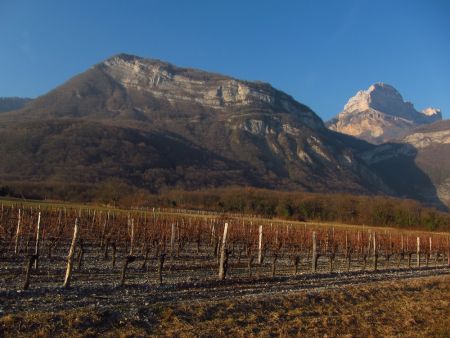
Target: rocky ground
132,297
97,304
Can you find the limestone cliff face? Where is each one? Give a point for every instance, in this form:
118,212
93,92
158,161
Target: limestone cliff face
215,91
164,80
380,114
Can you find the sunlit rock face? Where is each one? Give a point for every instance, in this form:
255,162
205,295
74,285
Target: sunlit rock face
379,114
215,91
433,112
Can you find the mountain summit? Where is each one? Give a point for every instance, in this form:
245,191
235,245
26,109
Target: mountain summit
380,114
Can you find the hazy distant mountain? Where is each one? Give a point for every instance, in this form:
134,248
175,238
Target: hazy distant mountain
379,114
12,103
152,125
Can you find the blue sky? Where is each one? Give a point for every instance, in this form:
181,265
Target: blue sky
320,52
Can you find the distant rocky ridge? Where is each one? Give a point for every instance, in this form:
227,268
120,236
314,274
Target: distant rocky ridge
12,103
380,114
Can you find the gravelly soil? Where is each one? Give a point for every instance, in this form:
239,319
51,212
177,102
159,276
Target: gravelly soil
130,298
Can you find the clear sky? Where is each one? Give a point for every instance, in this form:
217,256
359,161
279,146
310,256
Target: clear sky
320,52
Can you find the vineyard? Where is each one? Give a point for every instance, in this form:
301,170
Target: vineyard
63,247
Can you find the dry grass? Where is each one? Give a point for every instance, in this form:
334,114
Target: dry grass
414,308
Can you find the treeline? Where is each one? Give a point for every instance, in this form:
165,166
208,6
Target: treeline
304,206
343,208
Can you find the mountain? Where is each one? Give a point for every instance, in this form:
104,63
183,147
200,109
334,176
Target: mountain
379,114
432,143
12,103
416,166
146,124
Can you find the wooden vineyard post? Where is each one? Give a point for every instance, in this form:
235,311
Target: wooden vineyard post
418,252
276,236
102,238
172,241
222,270
346,243
70,256
213,233
366,252
16,244
348,256
260,258
314,252
448,252
132,237
36,249
402,252
375,252
358,243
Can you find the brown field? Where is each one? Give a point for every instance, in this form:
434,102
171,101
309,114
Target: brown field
136,273
413,308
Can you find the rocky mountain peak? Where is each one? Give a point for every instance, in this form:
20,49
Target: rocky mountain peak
384,98
380,114
434,112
